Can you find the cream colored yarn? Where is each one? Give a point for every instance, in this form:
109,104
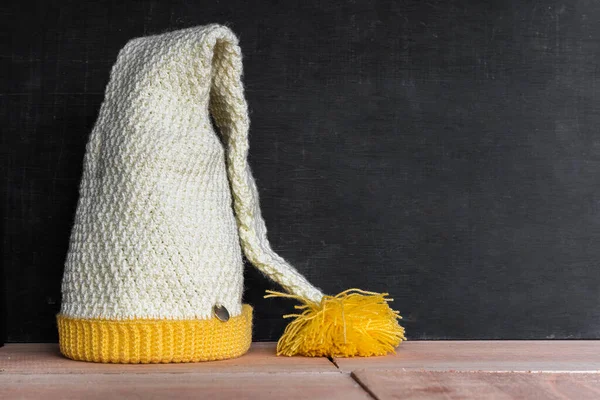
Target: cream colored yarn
164,202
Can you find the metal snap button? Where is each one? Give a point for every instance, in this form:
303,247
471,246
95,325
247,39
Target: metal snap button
221,313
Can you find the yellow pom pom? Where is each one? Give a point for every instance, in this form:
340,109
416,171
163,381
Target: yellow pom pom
353,323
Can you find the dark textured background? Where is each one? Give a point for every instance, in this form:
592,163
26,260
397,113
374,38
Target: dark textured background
445,151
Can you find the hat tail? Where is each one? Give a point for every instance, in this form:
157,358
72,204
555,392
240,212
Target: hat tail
352,323
230,111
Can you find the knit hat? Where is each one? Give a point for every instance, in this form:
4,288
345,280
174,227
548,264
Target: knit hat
167,204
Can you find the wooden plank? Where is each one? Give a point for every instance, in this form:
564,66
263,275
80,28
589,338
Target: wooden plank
552,356
287,386
405,385
44,358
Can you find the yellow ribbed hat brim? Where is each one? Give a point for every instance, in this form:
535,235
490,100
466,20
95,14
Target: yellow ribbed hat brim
155,341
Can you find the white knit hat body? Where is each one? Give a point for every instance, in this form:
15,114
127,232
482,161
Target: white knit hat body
155,234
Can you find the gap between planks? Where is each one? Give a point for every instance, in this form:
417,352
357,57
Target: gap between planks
419,369
39,371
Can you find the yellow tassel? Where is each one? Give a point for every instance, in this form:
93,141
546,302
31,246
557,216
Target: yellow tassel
353,323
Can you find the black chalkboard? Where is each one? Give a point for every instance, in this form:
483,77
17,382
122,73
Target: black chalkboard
447,152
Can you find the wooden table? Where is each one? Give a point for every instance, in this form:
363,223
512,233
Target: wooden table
419,370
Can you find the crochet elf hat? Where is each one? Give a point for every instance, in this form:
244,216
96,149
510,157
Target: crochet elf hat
154,271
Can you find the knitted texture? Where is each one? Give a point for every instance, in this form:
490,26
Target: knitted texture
155,341
167,205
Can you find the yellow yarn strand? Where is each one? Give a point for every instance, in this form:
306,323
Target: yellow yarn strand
352,323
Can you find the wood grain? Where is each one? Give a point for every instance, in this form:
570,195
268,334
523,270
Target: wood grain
406,385
182,386
557,356
420,370
44,358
